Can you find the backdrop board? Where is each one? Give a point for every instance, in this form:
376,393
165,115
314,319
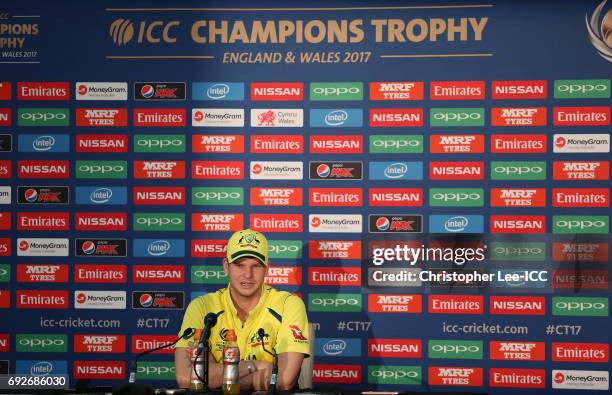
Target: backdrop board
433,177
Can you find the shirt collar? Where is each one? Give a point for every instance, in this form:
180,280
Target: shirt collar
265,291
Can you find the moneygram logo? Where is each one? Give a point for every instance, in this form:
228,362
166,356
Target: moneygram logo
328,223
101,91
327,302
42,247
217,117
267,170
100,300
581,143
337,91
403,90
581,379
396,144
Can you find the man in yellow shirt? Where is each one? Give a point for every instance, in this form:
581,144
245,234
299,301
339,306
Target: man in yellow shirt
245,306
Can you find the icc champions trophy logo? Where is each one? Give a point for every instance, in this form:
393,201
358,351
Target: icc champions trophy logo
600,31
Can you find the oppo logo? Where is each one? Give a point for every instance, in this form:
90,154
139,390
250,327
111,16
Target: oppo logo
277,249
582,224
518,170
396,143
582,88
334,302
43,116
514,251
101,169
330,91
156,370
457,116
216,195
216,274
158,221
395,374
580,306
160,143
456,197
454,349
42,343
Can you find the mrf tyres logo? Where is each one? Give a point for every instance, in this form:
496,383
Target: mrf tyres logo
599,30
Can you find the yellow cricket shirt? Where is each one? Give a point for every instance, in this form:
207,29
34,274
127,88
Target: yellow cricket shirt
281,314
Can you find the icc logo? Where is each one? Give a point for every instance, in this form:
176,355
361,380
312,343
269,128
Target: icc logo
122,31
600,31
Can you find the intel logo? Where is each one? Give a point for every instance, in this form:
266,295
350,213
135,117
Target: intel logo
456,224
396,170
101,195
41,368
158,248
336,118
43,143
334,347
218,91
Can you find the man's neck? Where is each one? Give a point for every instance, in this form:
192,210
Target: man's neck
244,305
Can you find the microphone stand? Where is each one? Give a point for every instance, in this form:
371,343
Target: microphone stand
272,387
210,320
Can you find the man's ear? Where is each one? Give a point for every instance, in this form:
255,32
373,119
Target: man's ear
225,266
267,268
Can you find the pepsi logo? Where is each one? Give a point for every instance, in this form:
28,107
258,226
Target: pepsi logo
31,195
257,169
323,170
81,298
23,246
560,142
315,222
383,223
146,300
147,91
82,89
89,247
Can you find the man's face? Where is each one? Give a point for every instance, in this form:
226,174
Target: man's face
246,275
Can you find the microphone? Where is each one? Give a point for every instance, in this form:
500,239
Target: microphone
210,320
272,388
188,333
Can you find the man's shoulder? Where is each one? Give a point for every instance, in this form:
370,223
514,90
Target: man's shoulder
210,299
280,298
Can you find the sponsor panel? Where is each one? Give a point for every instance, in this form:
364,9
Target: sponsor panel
101,117
581,170
518,144
330,302
41,368
518,116
101,195
336,117
101,169
217,91
5,195
153,196
104,370
285,249
525,89
162,222
91,343
392,223
290,223
43,169
142,343
217,170
160,169
518,170
113,300
276,196
457,90
43,221
284,275
352,197
217,143
581,197
450,117
456,170
100,91
5,247
581,116
110,248
517,305
518,197
100,273
43,117
517,378
334,249
395,303
580,279
456,223
42,247
338,276
580,252
216,222
217,196
395,348
400,90
334,347
158,300
217,117
204,248
43,91
516,351
581,143
581,224
6,117
159,91
155,370
30,273
336,373
276,118
272,144
173,274
41,299
400,197
159,117
5,90
89,221
517,251
391,171
341,223
582,89
159,143
277,91
455,349
208,274
455,376
6,168
267,170
336,144
6,142
396,144
41,342
396,117
581,379
43,143
336,91
102,143
580,352
5,220
456,197
159,248
456,143
5,273
394,374
335,170
456,304
518,224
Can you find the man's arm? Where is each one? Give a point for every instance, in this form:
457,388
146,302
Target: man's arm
289,364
